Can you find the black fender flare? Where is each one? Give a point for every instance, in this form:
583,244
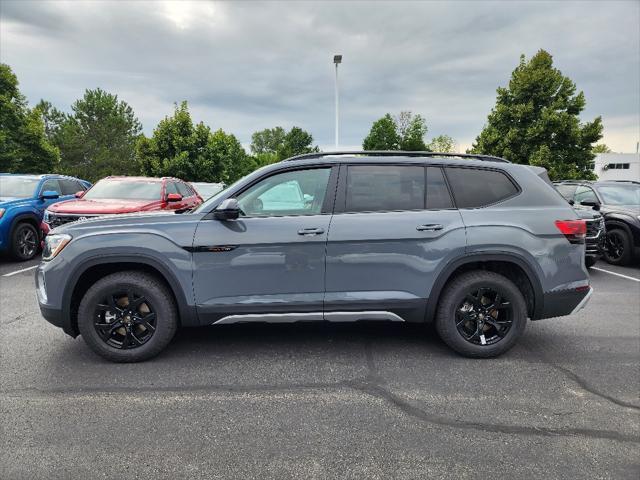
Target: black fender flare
188,314
31,217
452,266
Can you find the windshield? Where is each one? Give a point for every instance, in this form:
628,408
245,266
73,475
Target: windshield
18,187
206,190
620,194
125,189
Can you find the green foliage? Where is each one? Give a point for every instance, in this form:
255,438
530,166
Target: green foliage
274,144
601,148
536,121
24,147
404,132
99,137
178,148
442,144
383,135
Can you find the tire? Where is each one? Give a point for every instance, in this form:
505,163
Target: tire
590,261
453,308
617,249
108,299
24,242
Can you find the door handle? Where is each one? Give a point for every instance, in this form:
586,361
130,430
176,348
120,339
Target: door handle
429,227
310,231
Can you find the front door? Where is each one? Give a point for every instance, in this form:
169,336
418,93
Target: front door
271,260
389,236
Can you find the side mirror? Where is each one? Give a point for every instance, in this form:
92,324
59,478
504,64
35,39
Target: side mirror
49,195
229,209
571,202
594,205
174,197
79,194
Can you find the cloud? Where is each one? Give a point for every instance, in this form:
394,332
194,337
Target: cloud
245,66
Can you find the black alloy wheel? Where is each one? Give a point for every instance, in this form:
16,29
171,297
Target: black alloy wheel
25,242
125,320
617,248
484,317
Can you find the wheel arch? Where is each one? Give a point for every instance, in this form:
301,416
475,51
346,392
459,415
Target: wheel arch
510,265
85,274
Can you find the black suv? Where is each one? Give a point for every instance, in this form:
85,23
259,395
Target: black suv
619,203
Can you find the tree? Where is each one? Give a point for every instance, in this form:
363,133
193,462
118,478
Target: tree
268,140
52,119
98,139
601,148
383,135
23,144
404,132
178,148
275,144
536,121
442,144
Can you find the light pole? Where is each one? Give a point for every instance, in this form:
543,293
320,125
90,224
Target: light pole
337,59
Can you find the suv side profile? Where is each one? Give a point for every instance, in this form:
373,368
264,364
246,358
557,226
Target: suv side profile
23,200
619,203
458,240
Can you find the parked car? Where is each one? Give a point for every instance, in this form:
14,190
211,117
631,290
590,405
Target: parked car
207,190
473,243
596,235
116,195
23,199
619,204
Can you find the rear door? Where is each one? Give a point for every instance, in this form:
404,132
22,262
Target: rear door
393,227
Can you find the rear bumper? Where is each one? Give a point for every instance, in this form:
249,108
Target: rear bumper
565,302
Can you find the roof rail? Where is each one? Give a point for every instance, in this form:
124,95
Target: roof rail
396,153
623,181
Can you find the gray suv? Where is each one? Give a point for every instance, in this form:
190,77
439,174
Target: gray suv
473,243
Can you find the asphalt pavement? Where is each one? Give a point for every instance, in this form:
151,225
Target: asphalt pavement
317,401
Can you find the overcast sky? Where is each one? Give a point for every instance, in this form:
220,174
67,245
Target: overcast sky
246,66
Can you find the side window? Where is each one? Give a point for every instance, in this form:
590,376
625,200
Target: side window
474,187
299,192
585,194
567,191
183,189
69,187
437,192
373,188
51,185
170,187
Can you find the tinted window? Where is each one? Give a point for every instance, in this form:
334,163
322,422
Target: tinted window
183,189
585,194
69,187
437,191
384,187
476,188
51,186
300,192
567,191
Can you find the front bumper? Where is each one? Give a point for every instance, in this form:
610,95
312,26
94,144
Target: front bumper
52,314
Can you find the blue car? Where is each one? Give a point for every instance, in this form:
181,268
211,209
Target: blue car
23,200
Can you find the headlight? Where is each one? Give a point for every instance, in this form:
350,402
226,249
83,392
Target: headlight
46,216
1,212
53,245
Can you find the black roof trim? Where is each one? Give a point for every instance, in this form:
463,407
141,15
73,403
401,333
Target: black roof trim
397,153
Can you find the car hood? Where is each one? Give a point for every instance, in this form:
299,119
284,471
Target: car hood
13,201
632,210
102,206
587,214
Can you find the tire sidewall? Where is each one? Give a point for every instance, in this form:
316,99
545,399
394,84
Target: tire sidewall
446,319
626,245
162,306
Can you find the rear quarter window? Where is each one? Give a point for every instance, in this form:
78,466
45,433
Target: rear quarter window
475,187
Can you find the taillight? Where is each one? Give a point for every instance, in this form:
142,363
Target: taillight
574,230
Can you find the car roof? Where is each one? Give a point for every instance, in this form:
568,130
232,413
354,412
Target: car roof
392,155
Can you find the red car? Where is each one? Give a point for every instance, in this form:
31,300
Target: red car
113,195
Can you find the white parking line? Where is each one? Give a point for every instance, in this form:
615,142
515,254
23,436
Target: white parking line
616,274
24,270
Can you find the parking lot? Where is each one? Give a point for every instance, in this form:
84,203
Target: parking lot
319,401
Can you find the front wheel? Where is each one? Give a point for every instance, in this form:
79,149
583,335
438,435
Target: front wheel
617,249
127,317
24,242
481,314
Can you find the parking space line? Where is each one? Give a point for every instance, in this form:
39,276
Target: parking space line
24,270
616,274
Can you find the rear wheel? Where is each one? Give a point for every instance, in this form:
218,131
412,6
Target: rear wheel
24,242
590,261
617,249
127,317
481,314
